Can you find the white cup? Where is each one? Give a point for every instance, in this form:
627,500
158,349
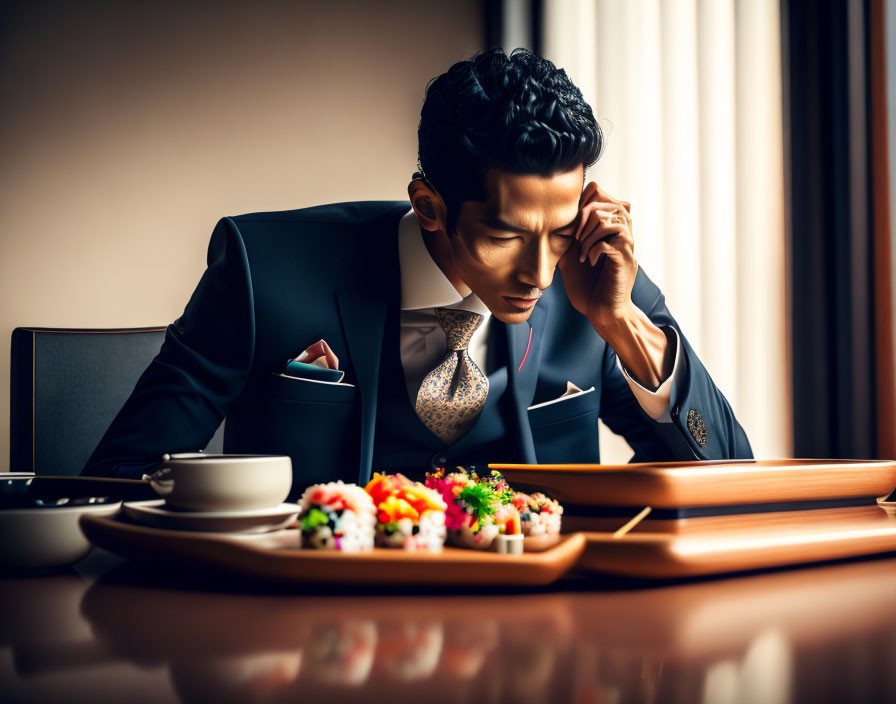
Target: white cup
199,482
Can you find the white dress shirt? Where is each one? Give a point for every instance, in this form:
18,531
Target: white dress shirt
422,340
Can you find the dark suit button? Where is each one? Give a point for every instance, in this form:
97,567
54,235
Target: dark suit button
697,427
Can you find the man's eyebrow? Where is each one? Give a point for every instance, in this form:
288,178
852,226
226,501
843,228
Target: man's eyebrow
499,224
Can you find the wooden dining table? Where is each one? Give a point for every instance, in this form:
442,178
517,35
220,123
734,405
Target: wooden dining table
109,630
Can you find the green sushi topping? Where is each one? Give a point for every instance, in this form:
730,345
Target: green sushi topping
480,498
501,487
314,518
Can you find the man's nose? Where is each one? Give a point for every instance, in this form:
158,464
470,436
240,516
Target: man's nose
539,264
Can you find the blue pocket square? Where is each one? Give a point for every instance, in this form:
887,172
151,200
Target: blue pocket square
301,370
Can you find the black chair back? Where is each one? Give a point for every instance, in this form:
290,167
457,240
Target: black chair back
66,387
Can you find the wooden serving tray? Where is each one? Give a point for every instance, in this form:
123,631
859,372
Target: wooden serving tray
587,519
276,557
713,546
715,483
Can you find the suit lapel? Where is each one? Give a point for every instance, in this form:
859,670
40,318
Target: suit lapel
524,358
363,315
362,310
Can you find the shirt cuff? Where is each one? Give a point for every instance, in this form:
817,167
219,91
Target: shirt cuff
656,403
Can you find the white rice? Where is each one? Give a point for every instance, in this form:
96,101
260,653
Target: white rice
353,526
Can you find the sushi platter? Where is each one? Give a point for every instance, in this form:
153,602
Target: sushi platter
276,557
456,529
664,520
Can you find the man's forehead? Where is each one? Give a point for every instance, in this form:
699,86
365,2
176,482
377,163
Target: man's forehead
506,188
522,197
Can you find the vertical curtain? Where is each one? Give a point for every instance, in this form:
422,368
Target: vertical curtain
841,268
882,41
689,95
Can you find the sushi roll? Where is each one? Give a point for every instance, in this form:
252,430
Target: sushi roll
337,516
539,518
408,514
479,510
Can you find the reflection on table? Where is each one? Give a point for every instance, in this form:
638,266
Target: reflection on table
117,631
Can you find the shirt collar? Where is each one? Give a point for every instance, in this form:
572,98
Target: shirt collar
423,285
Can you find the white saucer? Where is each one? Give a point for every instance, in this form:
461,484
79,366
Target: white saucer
155,514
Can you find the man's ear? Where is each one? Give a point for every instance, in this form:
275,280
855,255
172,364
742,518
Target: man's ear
428,205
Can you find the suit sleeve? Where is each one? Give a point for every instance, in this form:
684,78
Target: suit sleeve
185,392
703,425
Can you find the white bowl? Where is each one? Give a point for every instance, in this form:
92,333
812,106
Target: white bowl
201,482
40,538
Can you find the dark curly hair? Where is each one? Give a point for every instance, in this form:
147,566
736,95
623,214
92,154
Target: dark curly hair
519,113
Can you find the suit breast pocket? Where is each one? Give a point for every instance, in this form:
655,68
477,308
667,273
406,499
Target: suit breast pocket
565,430
315,423
289,388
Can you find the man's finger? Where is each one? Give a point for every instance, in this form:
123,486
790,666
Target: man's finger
589,191
598,218
607,249
586,216
613,208
316,351
606,196
618,232
624,204
612,236
332,359
611,211
599,214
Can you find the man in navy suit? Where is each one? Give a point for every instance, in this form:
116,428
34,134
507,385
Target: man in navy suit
458,343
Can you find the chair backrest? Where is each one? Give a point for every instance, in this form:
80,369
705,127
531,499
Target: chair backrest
66,386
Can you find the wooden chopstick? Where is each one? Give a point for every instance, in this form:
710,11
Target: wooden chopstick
632,523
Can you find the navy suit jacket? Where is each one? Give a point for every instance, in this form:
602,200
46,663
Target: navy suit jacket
277,282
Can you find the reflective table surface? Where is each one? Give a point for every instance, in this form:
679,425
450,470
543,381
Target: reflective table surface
113,631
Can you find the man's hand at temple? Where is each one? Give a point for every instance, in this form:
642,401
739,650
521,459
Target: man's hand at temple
599,271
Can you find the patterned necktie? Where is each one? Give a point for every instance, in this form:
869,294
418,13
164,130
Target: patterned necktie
452,395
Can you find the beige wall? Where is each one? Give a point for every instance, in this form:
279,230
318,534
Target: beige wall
129,128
